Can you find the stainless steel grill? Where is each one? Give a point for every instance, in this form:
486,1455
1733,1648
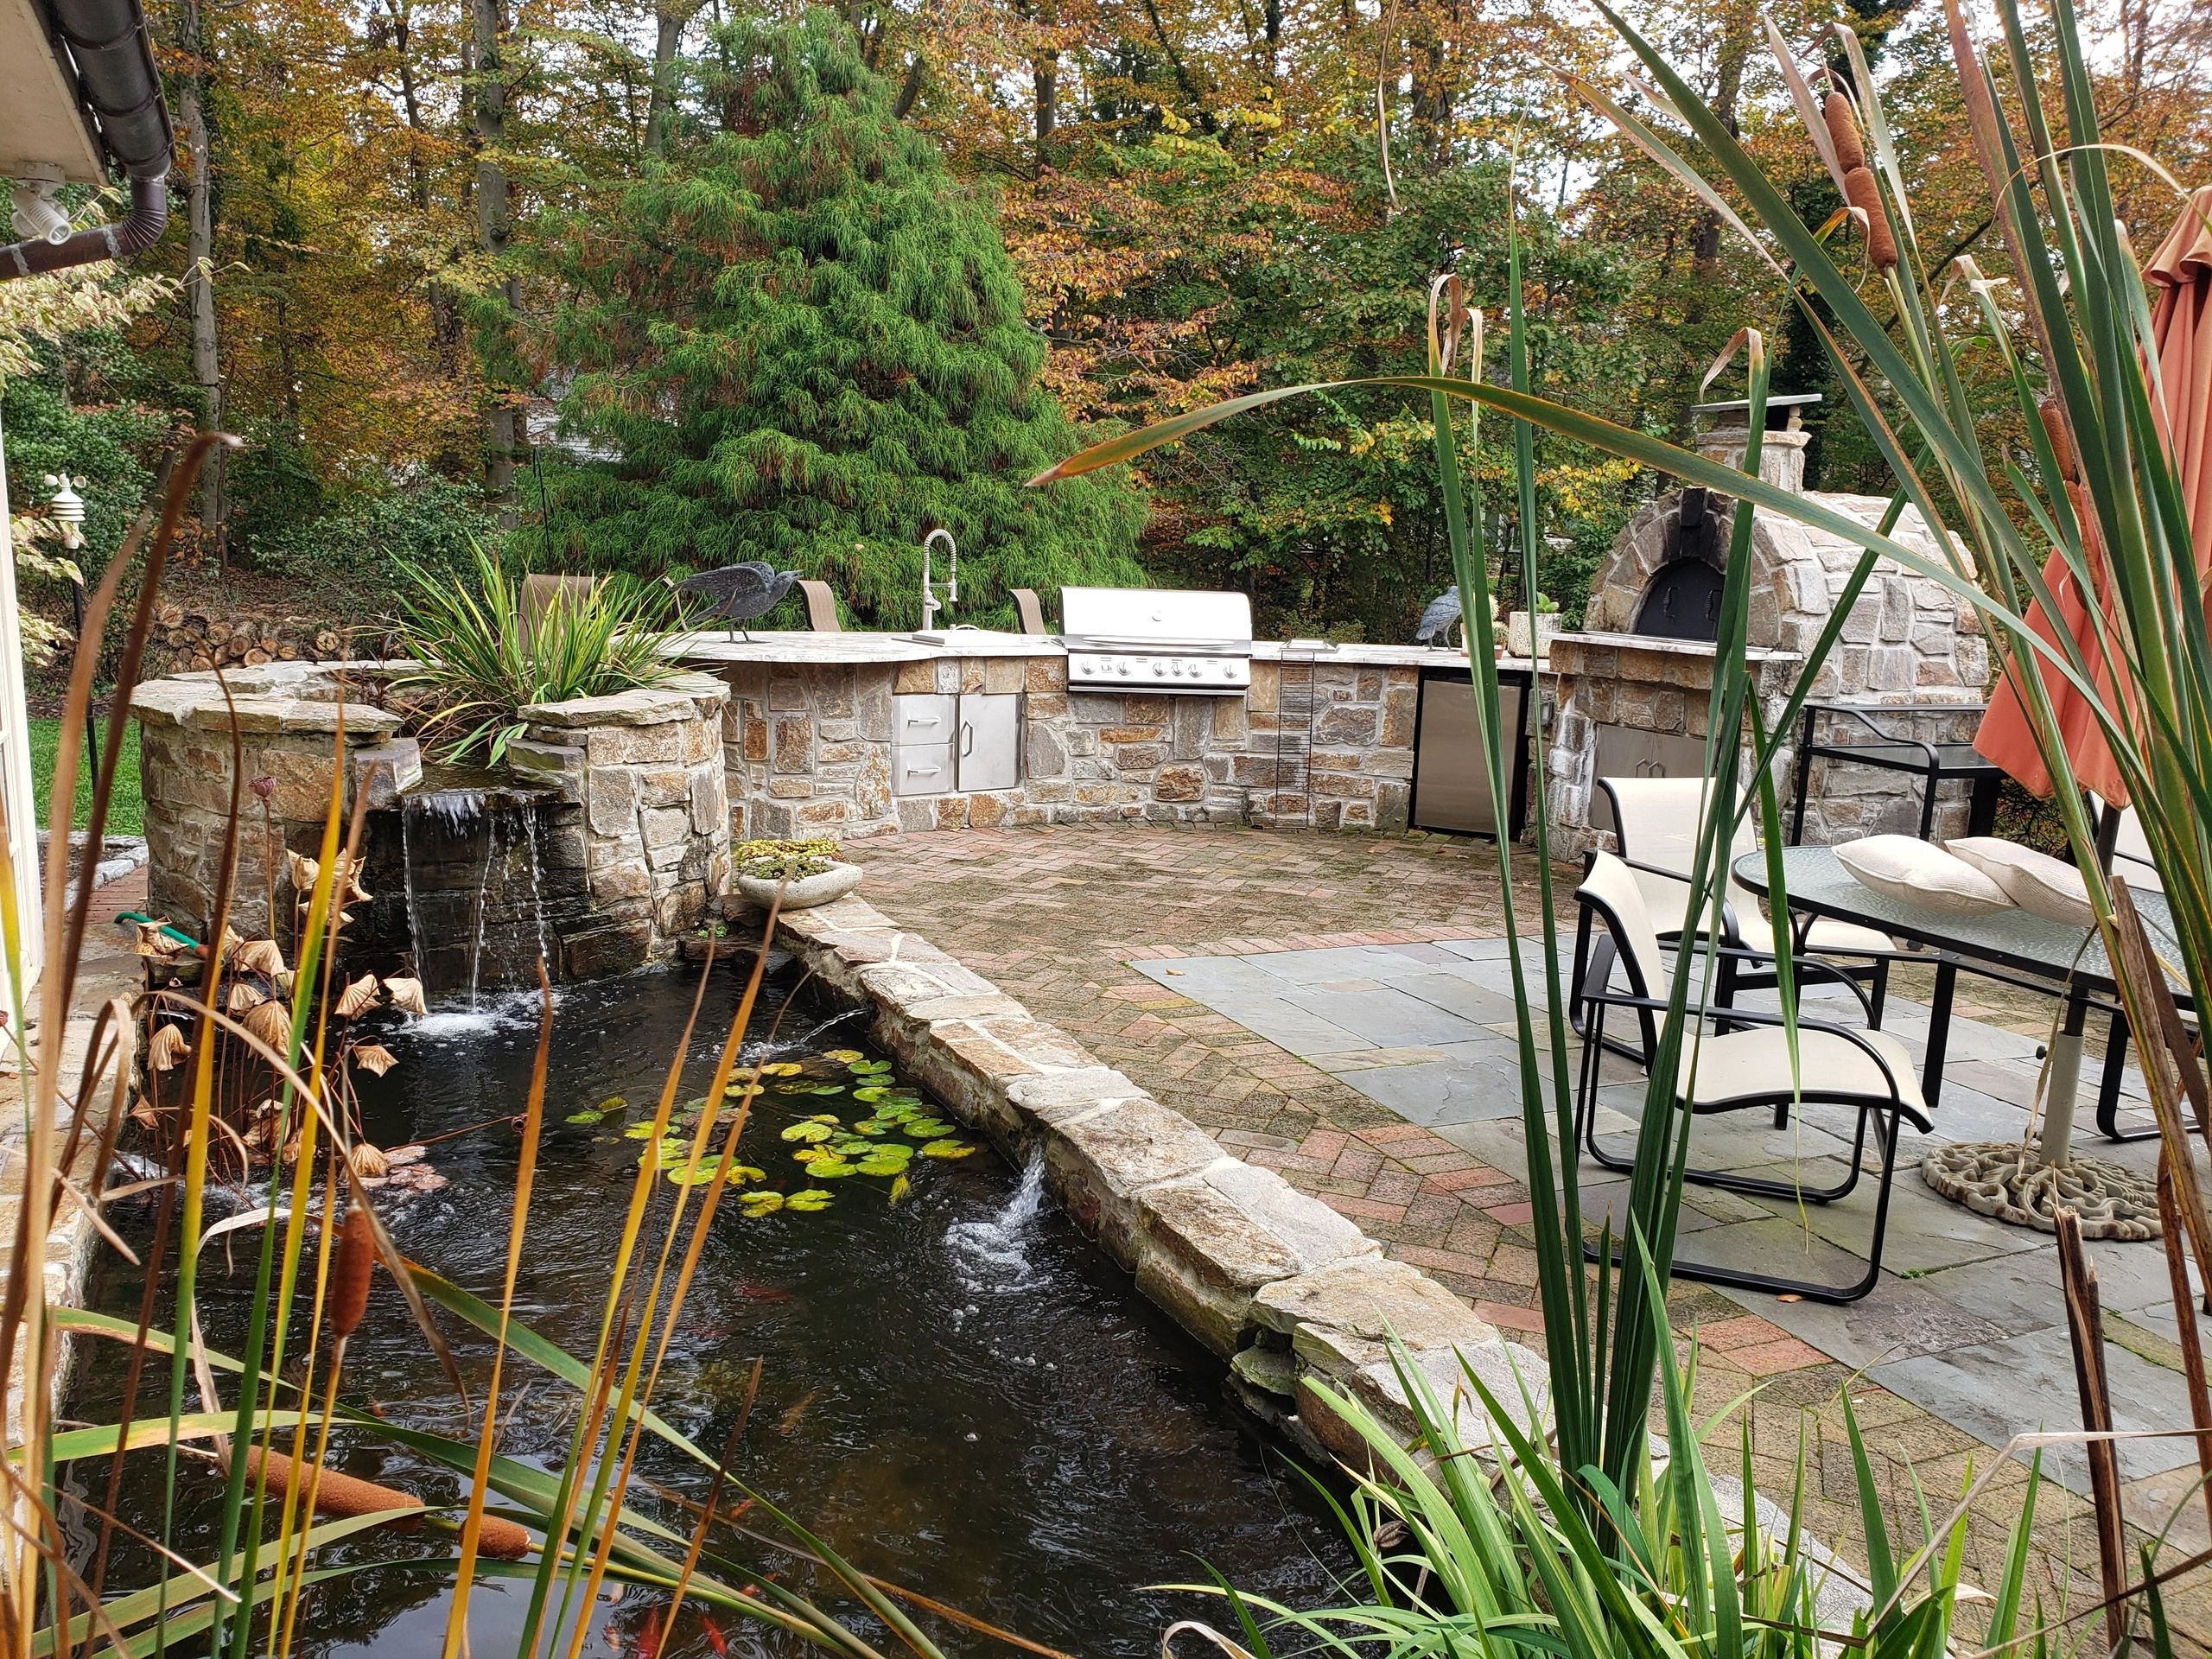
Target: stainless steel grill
1160,638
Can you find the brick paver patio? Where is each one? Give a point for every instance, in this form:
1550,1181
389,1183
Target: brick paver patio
1057,917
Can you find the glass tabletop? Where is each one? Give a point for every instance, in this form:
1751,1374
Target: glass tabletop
1818,884
1952,759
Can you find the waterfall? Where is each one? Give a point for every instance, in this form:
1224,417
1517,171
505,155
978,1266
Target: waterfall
994,1254
474,885
537,890
483,891
407,877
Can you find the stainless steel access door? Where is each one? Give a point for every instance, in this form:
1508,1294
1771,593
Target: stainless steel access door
1450,785
989,746
922,731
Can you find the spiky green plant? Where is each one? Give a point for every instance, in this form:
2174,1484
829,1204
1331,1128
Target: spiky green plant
484,653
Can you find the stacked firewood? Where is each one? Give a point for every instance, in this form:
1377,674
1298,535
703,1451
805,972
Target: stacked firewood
188,639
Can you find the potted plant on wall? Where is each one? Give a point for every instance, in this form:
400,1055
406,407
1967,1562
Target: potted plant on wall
1530,633
805,873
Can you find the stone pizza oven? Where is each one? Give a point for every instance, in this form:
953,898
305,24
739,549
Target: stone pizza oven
1633,684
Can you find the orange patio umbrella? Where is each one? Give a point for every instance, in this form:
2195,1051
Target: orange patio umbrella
2182,405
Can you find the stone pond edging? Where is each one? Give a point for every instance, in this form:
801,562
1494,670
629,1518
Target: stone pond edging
1271,1279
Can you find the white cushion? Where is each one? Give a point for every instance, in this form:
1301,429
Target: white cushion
2037,882
1916,873
1825,937
1754,1064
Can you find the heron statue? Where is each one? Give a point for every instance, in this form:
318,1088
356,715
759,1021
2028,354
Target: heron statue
739,592
1439,619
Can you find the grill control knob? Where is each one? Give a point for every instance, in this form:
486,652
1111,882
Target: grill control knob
1160,670
1123,666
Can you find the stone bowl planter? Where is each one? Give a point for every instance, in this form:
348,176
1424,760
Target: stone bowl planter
1530,635
803,893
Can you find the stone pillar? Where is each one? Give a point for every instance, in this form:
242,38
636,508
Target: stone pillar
288,734
637,843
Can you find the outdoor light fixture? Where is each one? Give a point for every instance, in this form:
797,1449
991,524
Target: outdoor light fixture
38,215
67,508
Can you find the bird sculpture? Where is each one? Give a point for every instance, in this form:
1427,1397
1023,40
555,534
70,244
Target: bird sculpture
1438,620
740,593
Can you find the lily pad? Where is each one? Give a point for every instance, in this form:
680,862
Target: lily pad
765,1202
881,1167
639,1131
613,1103
809,1131
866,1068
822,1089
843,1055
782,1069
587,1116
690,1174
927,1128
828,1169
812,1154
812,1198
873,1093
899,1189
948,1148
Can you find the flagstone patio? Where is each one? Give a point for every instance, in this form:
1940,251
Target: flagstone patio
1340,1008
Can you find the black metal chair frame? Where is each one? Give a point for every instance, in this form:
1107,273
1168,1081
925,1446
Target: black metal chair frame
1597,996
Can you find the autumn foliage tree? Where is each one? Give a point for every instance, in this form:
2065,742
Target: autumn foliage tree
801,341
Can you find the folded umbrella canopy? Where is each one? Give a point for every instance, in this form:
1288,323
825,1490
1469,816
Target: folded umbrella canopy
2182,404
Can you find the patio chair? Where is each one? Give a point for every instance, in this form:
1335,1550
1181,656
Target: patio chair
541,593
1744,1068
821,606
1655,822
1029,610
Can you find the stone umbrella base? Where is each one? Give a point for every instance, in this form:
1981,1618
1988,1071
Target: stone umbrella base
2012,1181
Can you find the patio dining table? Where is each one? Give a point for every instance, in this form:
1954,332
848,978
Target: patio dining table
2012,946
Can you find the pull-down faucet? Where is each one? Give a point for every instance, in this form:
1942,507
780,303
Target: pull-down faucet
931,603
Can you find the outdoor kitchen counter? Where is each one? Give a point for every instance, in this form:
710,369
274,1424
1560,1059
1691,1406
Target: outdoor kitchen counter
860,649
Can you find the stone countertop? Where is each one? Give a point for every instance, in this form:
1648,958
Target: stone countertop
808,650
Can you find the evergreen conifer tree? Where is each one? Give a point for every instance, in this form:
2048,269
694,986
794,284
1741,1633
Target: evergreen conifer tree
801,341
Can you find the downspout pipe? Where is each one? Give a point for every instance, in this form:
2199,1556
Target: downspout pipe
105,47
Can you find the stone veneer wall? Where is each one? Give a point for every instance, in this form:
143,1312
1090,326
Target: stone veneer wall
632,835
809,746
1664,685
636,842
1287,1290
288,723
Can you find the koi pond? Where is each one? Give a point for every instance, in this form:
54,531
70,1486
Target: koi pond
957,1391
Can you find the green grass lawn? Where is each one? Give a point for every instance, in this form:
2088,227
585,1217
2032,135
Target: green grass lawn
126,806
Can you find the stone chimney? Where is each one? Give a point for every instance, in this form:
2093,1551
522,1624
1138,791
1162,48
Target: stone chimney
1782,454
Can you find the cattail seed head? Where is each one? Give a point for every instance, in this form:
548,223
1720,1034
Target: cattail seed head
336,1494
2061,441
356,1266
1843,132
1864,195
502,1539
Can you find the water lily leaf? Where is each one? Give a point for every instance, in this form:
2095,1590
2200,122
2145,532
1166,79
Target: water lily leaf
849,1148
948,1148
587,1116
896,1152
812,1154
688,1174
614,1103
639,1131
899,1189
881,1167
843,1055
825,1089
809,1130
828,1169
872,1126
873,1093
825,1117
812,1198
766,1202
866,1068
927,1128
782,1069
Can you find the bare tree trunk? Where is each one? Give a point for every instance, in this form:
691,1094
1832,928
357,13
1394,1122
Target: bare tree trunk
445,316
1728,84
909,89
493,206
199,279
669,17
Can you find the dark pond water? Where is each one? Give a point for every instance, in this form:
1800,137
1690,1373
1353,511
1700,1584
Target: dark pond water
959,1393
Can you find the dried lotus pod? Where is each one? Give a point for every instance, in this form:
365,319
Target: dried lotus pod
152,940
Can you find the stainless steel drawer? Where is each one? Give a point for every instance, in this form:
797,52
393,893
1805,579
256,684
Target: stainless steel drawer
924,718
922,768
